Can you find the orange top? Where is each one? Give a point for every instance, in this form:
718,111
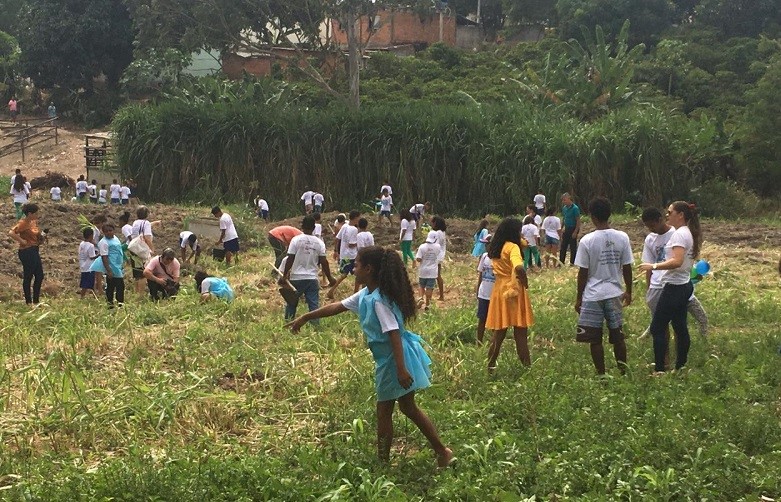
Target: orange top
285,233
28,231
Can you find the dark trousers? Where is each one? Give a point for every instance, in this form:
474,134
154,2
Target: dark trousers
568,241
672,307
280,250
115,286
310,289
158,292
31,268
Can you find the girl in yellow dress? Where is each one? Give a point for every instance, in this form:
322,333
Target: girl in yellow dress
510,304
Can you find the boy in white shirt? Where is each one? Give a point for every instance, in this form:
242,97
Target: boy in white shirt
306,198
386,202
263,209
189,239
229,238
604,256
531,253
87,254
364,237
124,195
539,203
56,193
305,255
485,286
347,244
317,201
428,268
92,190
115,192
102,194
81,188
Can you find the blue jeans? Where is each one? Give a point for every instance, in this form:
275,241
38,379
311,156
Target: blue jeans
310,289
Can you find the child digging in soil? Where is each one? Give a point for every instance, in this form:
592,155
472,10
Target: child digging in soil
402,365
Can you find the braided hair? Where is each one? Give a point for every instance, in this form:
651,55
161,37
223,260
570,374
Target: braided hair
391,276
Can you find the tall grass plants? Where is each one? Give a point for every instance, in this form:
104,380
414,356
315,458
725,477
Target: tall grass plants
467,158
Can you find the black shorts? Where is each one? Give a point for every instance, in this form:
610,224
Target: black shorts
231,245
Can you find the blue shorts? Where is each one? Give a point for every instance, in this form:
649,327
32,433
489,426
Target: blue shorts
264,214
385,213
125,202
593,314
482,309
551,241
231,245
87,280
427,283
114,201
346,266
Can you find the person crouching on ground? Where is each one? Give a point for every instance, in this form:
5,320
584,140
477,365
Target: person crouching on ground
162,275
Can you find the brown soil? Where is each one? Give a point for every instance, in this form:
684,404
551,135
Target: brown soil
66,157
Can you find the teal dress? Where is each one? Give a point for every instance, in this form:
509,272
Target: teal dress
415,358
479,248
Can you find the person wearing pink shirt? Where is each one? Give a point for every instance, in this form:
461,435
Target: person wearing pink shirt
162,275
13,109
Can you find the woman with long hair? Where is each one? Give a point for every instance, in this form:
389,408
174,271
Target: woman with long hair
27,234
680,252
510,305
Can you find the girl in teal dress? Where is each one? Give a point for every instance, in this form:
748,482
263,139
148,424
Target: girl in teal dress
402,365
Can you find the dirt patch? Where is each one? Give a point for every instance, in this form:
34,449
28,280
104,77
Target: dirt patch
66,157
60,254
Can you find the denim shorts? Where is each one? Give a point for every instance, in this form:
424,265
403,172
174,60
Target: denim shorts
427,283
592,314
551,241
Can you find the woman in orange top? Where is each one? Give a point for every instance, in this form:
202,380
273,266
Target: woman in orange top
510,304
29,237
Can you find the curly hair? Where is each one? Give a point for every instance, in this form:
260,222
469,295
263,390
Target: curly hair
509,230
438,223
391,276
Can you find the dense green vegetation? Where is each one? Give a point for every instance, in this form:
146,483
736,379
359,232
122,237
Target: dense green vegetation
182,401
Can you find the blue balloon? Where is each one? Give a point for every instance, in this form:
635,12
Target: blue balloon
702,267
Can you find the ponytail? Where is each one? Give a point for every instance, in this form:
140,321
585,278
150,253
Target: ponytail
691,216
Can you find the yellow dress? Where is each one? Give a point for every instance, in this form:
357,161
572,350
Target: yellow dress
510,304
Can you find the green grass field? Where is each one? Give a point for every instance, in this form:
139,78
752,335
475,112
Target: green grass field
188,401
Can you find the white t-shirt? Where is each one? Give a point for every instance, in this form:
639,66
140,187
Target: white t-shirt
307,197
348,234
262,205
127,232
124,193
20,196
537,220
318,199
385,315
93,191
102,195
604,253
140,226
653,252
428,254
183,236
408,230
365,239
531,233
388,188
56,193
318,231
307,250
441,239
486,269
386,201
87,254
226,223
419,209
682,237
207,283
539,201
552,225
81,187
116,191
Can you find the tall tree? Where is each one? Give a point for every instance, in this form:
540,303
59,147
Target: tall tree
649,18
258,26
70,43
